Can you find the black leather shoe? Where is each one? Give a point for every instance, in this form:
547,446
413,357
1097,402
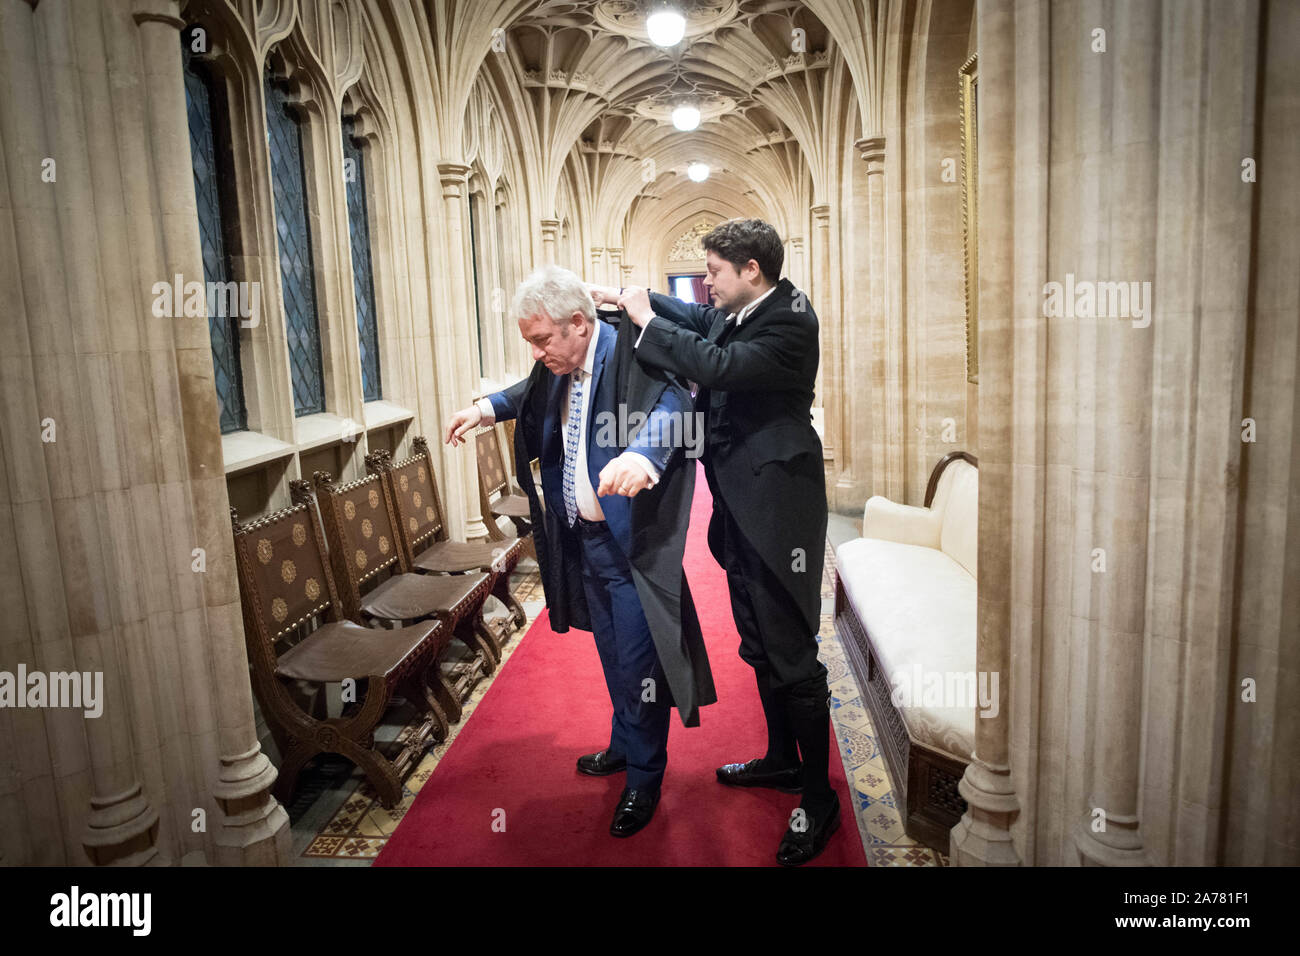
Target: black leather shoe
634,810
599,765
800,846
748,774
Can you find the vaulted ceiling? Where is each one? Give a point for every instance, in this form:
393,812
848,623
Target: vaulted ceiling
591,90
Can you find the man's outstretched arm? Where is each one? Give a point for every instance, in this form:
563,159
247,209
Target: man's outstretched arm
697,317
498,407
692,315
772,359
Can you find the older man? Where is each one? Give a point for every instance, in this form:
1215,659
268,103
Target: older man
612,532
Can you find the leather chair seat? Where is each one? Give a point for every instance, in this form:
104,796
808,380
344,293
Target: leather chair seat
342,649
466,555
405,597
511,506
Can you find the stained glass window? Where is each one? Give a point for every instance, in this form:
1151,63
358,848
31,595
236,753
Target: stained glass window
288,177
363,277
203,98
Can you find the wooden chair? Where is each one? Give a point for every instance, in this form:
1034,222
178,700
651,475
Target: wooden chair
413,485
496,497
376,585
295,631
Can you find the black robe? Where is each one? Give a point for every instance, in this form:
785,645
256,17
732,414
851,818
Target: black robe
659,519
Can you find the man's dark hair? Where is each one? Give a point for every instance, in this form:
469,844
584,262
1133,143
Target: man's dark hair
739,240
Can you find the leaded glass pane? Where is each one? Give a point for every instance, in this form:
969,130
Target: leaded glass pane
223,331
363,277
288,177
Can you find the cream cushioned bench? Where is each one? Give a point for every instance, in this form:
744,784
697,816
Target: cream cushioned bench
905,608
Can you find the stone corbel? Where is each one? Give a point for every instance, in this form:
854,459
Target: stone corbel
453,177
872,149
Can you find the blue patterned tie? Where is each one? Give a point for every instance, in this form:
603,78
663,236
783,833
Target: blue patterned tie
571,434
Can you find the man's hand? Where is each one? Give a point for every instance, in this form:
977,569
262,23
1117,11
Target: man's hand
622,477
636,303
460,423
603,294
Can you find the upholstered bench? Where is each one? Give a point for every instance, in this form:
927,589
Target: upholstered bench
905,610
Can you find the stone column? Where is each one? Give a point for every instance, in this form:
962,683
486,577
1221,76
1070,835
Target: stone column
598,276
821,213
983,835
854,461
550,233
796,270
57,369
885,337
454,177
253,827
615,266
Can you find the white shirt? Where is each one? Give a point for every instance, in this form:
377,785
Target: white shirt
744,313
583,491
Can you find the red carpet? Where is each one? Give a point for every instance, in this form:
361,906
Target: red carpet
549,705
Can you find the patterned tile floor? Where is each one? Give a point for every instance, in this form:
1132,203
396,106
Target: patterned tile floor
337,819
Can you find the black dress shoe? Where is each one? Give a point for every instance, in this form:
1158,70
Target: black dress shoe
800,846
599,765
789,780
634,810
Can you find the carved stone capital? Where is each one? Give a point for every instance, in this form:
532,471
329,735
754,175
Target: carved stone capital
453,177
550,229
821,215
872,149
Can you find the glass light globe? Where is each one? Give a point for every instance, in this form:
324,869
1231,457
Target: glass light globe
686,118
666,27
698,172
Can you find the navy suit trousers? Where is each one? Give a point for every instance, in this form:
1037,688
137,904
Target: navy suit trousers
633,674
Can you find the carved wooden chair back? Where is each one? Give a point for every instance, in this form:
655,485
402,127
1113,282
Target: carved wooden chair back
287,589
417,502
358,519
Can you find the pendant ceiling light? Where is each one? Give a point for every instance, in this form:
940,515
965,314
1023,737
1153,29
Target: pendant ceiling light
686,117
665,24
698,172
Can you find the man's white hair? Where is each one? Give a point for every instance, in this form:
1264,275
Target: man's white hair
554,292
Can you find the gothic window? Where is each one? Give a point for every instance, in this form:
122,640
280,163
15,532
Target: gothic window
363,278
478,285
205,108
288,176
